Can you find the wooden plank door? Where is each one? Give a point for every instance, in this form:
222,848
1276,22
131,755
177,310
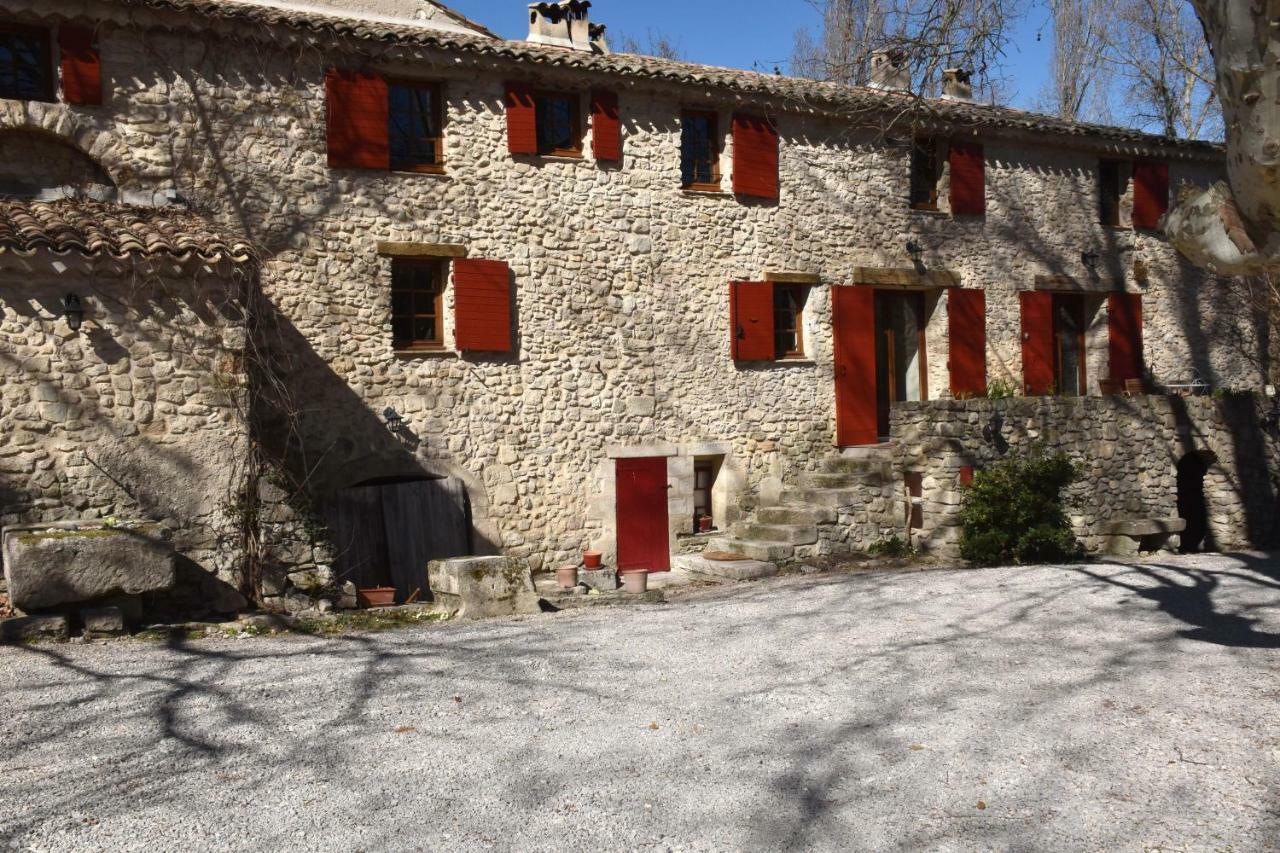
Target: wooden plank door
644,536
1037,343
854,318
359,537
425,520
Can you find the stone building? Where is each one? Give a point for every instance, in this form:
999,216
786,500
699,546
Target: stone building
531,298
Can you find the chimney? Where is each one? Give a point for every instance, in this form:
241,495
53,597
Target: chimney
957,84
889,71
566,23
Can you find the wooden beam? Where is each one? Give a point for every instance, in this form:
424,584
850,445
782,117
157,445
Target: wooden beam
792,277
1078,285
422,250
905,277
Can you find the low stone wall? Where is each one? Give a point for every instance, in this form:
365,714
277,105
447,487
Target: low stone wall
1127,449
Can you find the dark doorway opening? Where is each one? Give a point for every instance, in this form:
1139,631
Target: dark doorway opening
385,531
1193,505
901,373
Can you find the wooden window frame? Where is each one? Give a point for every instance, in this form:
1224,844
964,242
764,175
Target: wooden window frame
442,267
1111,192
802,299
1081,305
919,147
437,107
717,146
708,468
575,118
45,37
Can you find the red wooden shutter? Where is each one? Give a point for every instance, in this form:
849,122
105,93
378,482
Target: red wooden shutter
606,129
1150,193
1037,342
751,320
755,157
522,119
358,119
967,320
854,319
81,66
482,305
968,179
1124,328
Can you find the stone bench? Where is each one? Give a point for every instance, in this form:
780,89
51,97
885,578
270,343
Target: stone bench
1135,536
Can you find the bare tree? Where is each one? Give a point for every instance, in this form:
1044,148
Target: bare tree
931,34
657,44
1159,50
1079,79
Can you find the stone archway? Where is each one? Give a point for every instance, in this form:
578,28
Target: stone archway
1193,502
34,164
109,153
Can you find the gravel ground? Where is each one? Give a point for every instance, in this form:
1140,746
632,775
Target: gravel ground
1101,707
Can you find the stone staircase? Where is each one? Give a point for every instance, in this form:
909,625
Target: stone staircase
806,522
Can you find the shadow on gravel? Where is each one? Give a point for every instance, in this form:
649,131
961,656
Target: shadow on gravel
1187,595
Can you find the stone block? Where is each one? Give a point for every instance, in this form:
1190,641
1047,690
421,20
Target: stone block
52,567
33,628
603,580
102,622
480,587
736,570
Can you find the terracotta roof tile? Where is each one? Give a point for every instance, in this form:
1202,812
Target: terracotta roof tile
797,91
96,229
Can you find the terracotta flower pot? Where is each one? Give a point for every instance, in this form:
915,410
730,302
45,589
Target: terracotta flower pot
591,559
567,577
635,582
379,596
704,524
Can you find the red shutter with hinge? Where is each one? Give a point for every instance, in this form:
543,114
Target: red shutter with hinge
967,323
751,320
1124,328
81,66
482,305
854,321
358,119
522,119
606,128
1150,193
1037,342
755,157
968,179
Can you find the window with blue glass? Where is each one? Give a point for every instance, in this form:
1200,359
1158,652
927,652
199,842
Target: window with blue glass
699,151
26,71
415,127
559,124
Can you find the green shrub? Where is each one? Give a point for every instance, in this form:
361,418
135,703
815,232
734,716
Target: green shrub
1013,512
891,547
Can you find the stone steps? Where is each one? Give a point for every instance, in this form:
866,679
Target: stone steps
764,551
792,534
796,514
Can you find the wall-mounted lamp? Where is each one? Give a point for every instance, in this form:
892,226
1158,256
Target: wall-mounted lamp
395,423
916,252
73,311
1090,260
1271,420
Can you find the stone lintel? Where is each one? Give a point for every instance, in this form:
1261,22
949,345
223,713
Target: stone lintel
1079,285
641,451
781,277
905,277
422,250
709,448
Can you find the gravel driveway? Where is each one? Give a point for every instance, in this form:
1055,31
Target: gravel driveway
1089,708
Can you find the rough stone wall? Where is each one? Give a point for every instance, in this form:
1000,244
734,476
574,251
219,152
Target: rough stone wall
139,416
1127,450
621,278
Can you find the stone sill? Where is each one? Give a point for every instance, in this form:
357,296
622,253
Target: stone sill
700,537
705,193
935,214
426,353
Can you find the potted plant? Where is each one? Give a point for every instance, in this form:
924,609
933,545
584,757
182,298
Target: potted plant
567,577
378,596
591,559
636,581
704,523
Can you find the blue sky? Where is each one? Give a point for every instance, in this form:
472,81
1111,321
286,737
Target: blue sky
747,33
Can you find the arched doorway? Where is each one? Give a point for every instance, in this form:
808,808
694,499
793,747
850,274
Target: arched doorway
1193,504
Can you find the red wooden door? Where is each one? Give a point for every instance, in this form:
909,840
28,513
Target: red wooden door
644,535
1037,343
854,318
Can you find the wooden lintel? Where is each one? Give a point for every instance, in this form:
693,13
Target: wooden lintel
905,277
422,250
1072,284
792,277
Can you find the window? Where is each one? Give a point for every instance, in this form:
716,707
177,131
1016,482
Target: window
26,72
1110,191
788,320
415,128
1069,344
924,174
704,475
559,124
699,151
417,289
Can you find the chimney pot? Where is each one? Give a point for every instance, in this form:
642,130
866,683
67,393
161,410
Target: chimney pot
566,23
957,84
890,71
